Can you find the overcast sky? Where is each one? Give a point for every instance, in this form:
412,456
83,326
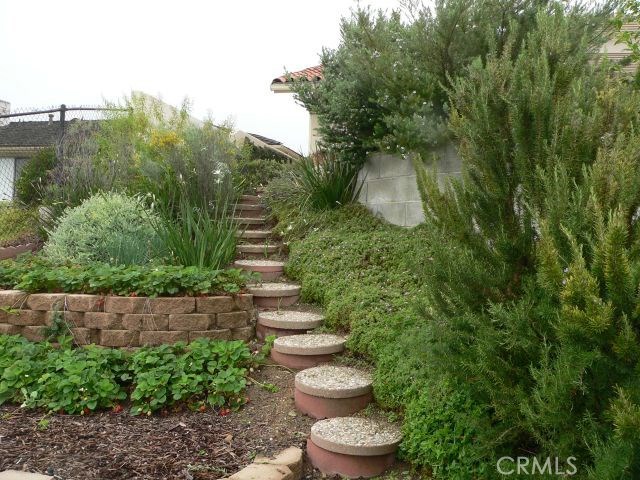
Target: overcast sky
220,54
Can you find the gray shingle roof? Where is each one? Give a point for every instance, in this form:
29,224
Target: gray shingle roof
29,134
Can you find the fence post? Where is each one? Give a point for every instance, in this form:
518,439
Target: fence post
63,111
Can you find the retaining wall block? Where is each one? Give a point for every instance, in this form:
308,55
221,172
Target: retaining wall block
46,301
125,304
190,321
145,321
232,319
103,321
119,338
215,304
80,302
159,338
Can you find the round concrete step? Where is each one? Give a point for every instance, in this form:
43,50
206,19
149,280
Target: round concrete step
310,344
251,199
274,295
258,249
250,211
250,221
286,322
329,391
268,269
254,234
330,381
352,447
306,351
291,320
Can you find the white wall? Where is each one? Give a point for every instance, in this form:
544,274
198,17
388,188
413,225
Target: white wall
390,188
7,176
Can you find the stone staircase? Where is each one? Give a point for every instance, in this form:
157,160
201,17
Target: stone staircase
339,443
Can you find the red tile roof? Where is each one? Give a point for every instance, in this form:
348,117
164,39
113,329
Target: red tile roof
311,74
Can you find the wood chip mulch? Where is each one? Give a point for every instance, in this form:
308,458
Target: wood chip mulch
185,445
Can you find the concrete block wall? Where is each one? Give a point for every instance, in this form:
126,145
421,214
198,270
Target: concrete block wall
113,321
390,188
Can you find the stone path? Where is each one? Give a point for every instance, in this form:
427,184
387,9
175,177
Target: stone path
338,443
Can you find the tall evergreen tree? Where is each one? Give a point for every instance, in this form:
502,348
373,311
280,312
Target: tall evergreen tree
533,300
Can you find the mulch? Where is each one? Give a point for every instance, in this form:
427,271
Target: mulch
181,445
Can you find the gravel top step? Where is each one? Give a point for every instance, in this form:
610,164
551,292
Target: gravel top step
250,198
309,344
254,234
290,319
329,381
258,248
260,263
274,290
355,436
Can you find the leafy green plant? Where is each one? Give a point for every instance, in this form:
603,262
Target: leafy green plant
110,227
251,173
31,182
205,372
197,236
385,87
82,380
328,183
60,379
17,224
36,274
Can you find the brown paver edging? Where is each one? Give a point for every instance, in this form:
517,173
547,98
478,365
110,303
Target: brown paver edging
114,321
286,465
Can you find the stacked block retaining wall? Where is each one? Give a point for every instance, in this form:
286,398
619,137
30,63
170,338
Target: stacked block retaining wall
113,321
390,189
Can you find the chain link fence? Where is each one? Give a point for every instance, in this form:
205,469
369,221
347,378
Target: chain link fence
25,132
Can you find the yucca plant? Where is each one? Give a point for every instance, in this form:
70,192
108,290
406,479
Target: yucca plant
198,236
328,183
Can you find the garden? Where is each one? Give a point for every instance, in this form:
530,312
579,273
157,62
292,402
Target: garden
506,325
133,228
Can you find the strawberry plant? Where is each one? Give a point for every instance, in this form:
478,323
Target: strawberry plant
35,274
60,378
206,371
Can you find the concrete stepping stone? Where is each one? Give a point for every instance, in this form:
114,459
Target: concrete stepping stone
352,447
250,199
274,295
250,211
250,221
258,250
286,322
268,269
255,235
305,351
330,391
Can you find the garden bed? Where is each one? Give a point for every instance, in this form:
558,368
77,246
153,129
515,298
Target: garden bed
115,321
172,445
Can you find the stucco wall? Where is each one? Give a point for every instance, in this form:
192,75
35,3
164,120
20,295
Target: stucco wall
390,189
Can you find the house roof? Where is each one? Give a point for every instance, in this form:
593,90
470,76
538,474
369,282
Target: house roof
29,134
311,74
267,140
